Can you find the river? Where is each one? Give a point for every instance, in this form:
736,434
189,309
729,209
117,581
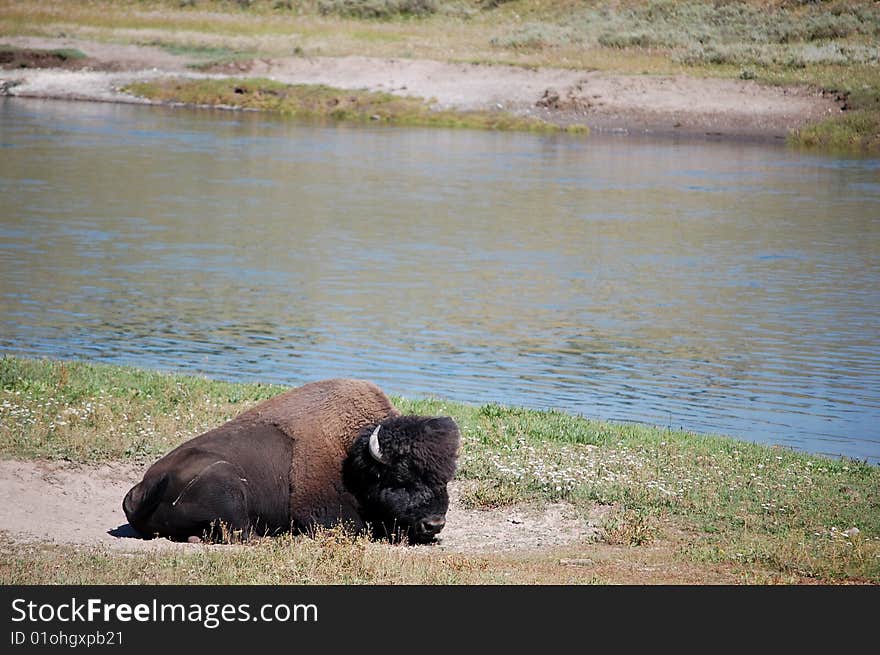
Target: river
719,287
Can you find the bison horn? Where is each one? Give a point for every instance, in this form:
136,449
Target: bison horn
374,446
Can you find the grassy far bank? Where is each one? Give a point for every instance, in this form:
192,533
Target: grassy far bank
314,101
17,58
681,500
832,45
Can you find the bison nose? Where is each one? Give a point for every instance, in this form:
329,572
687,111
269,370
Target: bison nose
433,524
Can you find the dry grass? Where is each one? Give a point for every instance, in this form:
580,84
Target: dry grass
529,33
332,557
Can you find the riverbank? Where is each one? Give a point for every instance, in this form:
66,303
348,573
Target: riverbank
455,93
540,497
611,68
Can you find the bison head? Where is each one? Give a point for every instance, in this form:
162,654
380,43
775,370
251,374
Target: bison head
398,471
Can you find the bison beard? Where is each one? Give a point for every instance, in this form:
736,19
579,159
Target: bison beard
327,453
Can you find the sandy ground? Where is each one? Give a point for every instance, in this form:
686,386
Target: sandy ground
639,104
63,503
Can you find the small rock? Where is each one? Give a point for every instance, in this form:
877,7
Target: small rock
577,561
852,532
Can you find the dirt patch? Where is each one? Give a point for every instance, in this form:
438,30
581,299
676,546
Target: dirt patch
69,504
603,101
518,527
65,503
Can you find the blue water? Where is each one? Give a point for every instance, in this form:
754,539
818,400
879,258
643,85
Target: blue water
718,287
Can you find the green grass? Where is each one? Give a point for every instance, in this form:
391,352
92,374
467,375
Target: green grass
67,53
198,50
86,413
726,502
12,53
853,130
314,101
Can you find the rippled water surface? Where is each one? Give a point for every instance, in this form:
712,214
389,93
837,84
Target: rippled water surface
717,287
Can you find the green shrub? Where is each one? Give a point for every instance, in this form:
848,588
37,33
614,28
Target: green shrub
640,39
377,9
535,37
714,32
789,55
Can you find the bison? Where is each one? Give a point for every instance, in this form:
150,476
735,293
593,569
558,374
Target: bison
326,453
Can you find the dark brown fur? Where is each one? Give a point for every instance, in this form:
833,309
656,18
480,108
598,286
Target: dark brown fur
276,467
